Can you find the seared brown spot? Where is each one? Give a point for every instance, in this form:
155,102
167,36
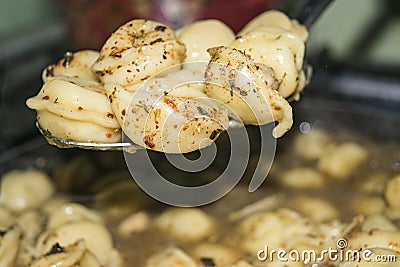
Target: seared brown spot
80,108
108,135
100,73
207,262
160,28
56,248
50,71
46,97
156,41
123,112
110,115
116,54
148,140
170,103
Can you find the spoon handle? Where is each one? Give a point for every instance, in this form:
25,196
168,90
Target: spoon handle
311,11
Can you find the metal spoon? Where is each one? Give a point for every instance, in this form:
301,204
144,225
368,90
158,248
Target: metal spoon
311,10
309,13
125,146
64,143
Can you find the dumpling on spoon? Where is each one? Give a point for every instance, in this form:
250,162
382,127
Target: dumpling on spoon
72,103
275,40
201,35
136,51
168,118
247,88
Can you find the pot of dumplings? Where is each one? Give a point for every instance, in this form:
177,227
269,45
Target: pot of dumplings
333,178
